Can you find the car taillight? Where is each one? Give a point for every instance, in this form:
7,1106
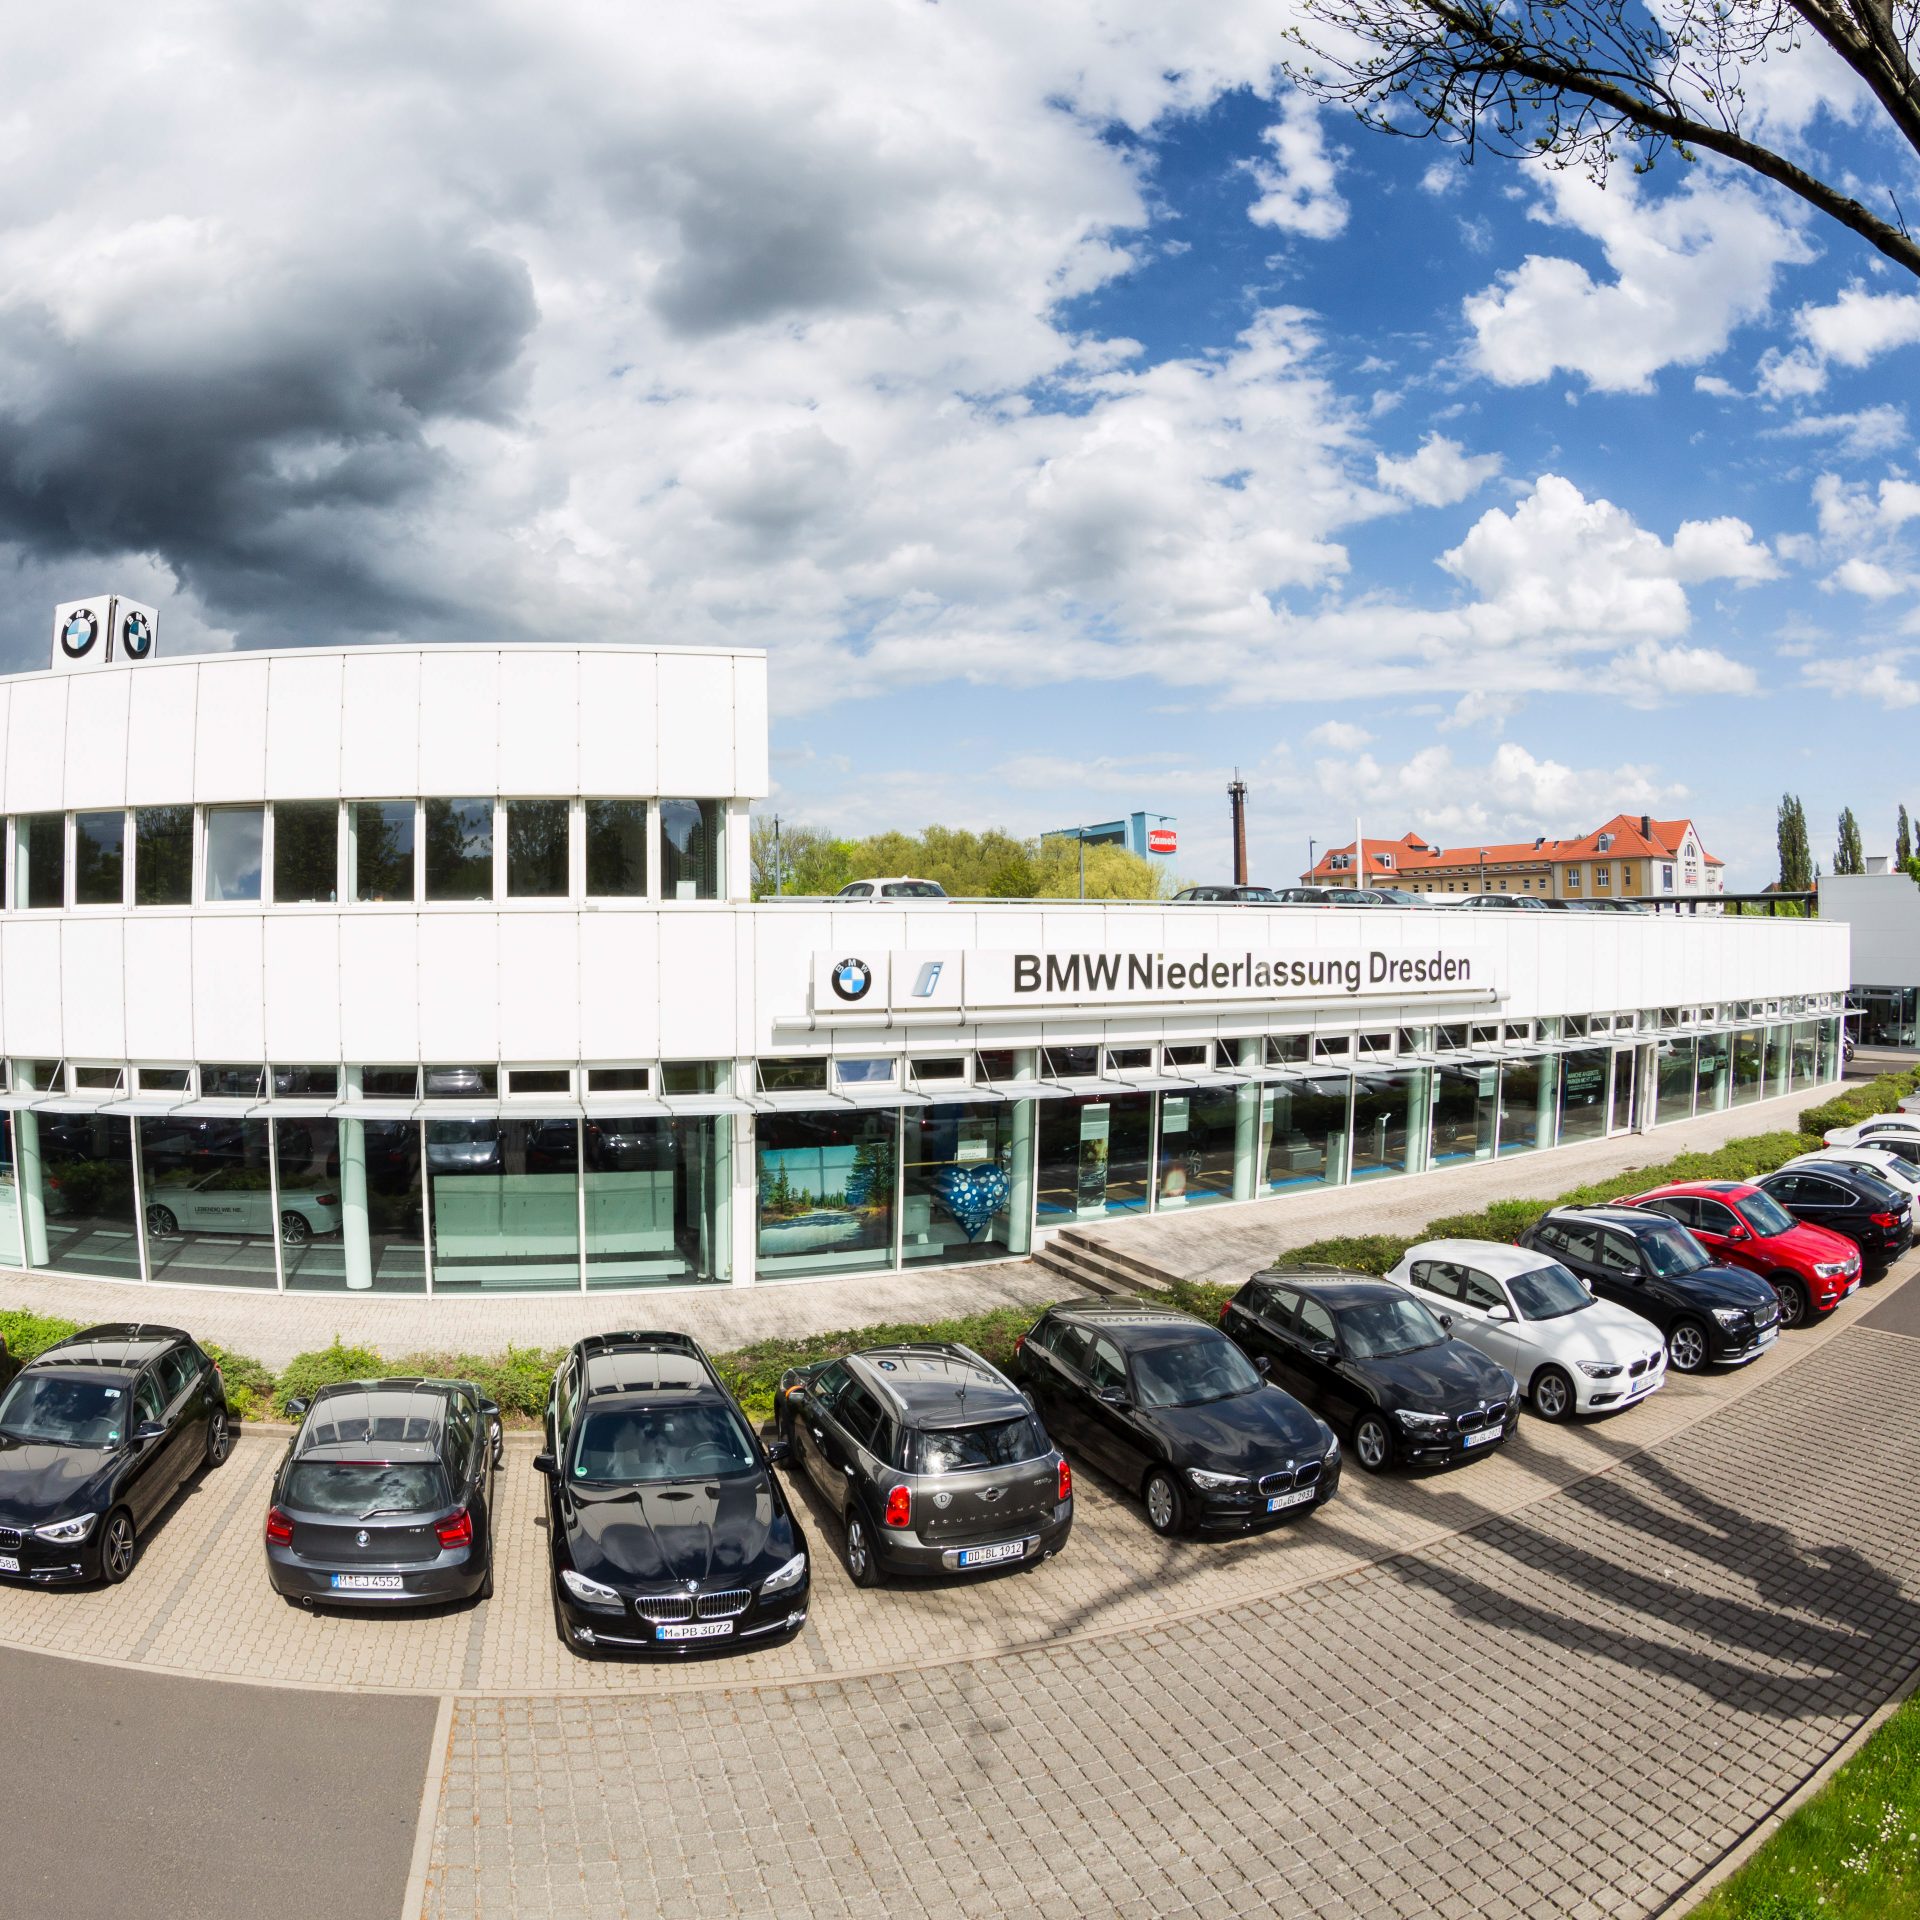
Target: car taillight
326,1199
458,1531
279,1528
1885,1219
1066,1480
899,1507
1020,1343
1225,1305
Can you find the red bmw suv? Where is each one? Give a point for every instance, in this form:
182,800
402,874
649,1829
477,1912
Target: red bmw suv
1811,1268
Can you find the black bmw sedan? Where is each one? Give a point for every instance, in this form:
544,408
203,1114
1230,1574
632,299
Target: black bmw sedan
1373,1359
1167,1406
667,1527
96,1436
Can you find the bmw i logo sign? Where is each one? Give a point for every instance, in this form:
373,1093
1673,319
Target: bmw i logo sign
79,634
852,979
136,636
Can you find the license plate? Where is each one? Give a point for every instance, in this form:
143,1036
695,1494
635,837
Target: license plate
987,1556
368,1583
1297,1498
1852,1285
1481,1438
9,1563
1768,1337
696,1630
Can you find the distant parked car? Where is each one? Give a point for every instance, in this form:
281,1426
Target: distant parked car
463,1146
1503,902
1243,896
934,1459
900,887
1897,1171
1870,1212
237,1200
1305,897
1570,1352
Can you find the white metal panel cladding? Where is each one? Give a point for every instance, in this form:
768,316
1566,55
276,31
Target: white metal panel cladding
380,725
36,744
93,987
301,957
229,981
30,987
303,726
540,1014
539,704
619,1007
460,988
96,734
230,731
158,986
380,986
619,723
696,723
160,735
459,721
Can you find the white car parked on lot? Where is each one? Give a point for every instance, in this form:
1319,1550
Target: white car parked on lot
1890,1132
1570,1352
1895,1169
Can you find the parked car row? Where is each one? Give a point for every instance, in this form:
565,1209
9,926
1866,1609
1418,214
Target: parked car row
1317,896
668,1526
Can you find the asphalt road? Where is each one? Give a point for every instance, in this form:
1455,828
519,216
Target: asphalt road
128,1792
1900,1314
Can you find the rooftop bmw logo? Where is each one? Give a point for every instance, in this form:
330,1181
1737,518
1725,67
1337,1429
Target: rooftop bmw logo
79,634
852,979
136,636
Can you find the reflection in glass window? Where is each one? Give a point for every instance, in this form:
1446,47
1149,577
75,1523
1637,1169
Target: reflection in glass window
460,1083
10,1251
162,856
616,848
537,849
242,1081
966,1194
618,1079
306,1083
826,1185
1583,1094
505,1206
656,1200
1713,1074
459,840
234,838
1094,1157
691,1076
86,1192
1675,1088
1749,1065
99,858
1306,1130
308,1153
1805,1053
690,832
306,851
390,1083
209,1195
40,860
383,850
1389,1124
1465,1102
1197,1135
1526,1105
385,1247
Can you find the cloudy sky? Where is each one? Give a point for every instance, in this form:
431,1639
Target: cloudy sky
1074,413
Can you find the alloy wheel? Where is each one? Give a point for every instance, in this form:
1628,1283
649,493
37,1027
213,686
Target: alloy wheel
1793,1303
219,1437
856,1550
116,1548
1160,1502
1687,1348
1371,1443
295,1230
1551,1396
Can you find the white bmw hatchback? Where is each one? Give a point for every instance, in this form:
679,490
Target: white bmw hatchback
1570,1352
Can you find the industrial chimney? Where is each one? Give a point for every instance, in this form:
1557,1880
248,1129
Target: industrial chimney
1237,802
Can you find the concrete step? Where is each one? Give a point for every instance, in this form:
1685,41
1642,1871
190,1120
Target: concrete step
1088,1265
1116,1258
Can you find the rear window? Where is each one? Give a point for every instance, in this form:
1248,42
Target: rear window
996,1443
362,1488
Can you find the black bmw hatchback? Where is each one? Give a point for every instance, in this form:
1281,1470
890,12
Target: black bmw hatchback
1375,1360
1168,1407
96,1436
667,1527
1654,1267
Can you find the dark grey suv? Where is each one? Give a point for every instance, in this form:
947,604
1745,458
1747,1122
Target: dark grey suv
934,1458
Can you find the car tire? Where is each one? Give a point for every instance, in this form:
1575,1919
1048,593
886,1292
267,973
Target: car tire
1166,1504
863,1565
1552,1394
161,1220
219,1436
1373,1441
119,1547
295,1229
1795,1308
1687,1346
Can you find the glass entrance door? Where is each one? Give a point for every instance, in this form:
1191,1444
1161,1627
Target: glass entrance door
1623,1065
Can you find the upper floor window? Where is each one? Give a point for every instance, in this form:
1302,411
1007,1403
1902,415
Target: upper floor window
459,841
616,849
383,850
236,839
99,859
306,852
40,860
539,844
1601,876
690,863
162,856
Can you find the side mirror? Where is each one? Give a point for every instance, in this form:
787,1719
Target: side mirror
491,1408
1324,1350
1736,1234
779,1452
1261,1364
1112,1396
298,1405
1501,1312
1446,1322
547,1464
150,1430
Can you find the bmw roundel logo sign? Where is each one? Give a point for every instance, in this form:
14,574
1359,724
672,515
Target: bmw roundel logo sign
852,979
136,636
79,634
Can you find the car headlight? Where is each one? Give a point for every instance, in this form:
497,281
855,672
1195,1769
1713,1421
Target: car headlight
1730,1316
1217,1482
594,1592
1423,1422
1598,1369
1832,1269
1333,1451
66,1530
782,1578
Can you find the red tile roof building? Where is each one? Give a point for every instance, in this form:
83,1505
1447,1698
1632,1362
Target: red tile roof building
1632,855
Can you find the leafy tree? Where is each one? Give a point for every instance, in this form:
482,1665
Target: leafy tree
1112,873
1796,858
1903,841
1576,82
1847,856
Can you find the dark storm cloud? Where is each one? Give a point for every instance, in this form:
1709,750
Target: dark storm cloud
264,438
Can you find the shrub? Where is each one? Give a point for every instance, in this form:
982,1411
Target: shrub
1361,1252
31,1334
249,1382
306,1373
1859,1103
517,1381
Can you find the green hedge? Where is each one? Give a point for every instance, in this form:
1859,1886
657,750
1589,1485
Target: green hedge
1859,1103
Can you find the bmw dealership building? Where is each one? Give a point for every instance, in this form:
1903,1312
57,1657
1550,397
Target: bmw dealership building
434,969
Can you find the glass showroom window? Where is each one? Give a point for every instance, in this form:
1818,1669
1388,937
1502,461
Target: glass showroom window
1749,1065
78,1170
1095,1157
383,850
1465,1105
690,834
306,852
99,859
10,1251
506,1205
616,849
1389,1124
307,1154
234,841
968,1192
1713,1073
1305,1123
459,837
656,1196
40,860
209,1198
162,856
1583,1094
1674,1080
382,1206
1203,1137
1827,1061
1805,1053
538,849
1526,1105
826,1184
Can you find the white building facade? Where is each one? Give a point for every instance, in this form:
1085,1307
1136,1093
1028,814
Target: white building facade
434,969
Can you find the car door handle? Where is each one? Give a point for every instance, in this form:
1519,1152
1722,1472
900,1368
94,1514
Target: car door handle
848,1471
817,1434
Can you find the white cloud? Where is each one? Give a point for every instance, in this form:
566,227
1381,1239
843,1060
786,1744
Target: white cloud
1441,473
1850,332
1342,736
1688,268
1712,385
1869,579
1298,190
1879,680
1867,431
1653,674
1442,177
1480,708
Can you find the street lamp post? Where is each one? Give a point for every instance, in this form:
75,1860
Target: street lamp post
1311,844
1483,869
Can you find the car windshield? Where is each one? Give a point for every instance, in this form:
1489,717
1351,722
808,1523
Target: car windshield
1677,1252
1190,1372
69,1413
626,1444
1764,1214
1548,1293
994,1443
1378,1329
362,1488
